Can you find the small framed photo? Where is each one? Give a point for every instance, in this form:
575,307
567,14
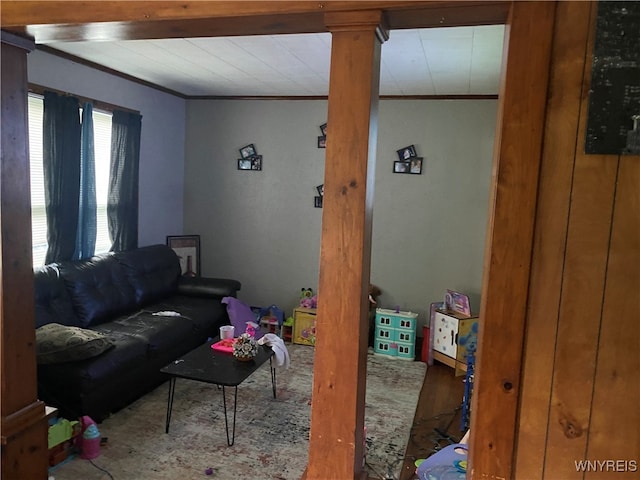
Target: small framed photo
317,201
406,153
323,129
244,164
322,142
400,167
248,151
187,247
415,165
256,162
320,189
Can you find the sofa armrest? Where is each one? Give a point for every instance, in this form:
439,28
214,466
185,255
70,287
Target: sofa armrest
208,287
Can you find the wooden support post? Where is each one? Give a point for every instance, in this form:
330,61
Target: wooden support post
507,262
24,424
337,416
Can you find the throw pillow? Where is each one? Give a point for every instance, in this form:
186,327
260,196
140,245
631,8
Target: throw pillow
56,343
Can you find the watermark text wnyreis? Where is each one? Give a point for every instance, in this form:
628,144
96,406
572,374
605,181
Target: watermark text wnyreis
610,465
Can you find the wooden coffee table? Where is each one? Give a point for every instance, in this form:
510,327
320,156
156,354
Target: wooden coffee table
204,364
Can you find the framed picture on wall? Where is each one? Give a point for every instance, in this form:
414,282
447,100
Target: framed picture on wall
187,247
406,153
322,141
323,129
256,162
248,151
400,167
415,165
244,164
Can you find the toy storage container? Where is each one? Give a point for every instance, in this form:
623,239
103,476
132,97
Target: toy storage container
395,333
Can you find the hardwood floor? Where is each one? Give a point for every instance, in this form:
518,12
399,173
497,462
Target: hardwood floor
437,418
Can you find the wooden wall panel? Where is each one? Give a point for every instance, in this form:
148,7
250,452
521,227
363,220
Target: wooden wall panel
615,416
576,343
579,314
563,112
579,399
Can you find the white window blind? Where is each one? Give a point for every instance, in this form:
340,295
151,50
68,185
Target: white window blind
38,215
102,146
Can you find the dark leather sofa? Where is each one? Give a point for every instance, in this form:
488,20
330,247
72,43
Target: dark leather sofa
117,294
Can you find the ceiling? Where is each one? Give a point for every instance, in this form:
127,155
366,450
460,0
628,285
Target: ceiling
414,62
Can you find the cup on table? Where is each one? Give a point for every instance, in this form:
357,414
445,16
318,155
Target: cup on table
226,332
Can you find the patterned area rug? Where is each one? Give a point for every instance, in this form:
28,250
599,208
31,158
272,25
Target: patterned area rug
271,439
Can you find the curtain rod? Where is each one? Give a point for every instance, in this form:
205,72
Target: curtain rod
39,89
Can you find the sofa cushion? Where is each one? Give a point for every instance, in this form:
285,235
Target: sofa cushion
99,289
152,271
159,333
57,343
52,300
205,314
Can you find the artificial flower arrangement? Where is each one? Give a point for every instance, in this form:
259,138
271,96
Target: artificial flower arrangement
245,347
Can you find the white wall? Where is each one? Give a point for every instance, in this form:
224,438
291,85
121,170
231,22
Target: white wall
262,227
258,227
429,229
161,144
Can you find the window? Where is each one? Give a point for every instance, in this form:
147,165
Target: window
38,216
102,146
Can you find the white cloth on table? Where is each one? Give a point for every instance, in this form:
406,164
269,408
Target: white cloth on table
279,348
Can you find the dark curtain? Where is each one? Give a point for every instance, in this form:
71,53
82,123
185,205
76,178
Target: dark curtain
122,204
87,215
61,162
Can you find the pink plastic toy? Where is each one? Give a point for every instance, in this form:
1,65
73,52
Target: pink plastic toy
89,440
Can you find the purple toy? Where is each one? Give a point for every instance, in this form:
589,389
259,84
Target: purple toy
240,314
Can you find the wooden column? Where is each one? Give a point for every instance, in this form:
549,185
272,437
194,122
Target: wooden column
507,264
337,414
24,425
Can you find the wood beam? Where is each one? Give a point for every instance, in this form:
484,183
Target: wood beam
24,424
17,13
506,274
336,444
192,28
452,14
55,21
